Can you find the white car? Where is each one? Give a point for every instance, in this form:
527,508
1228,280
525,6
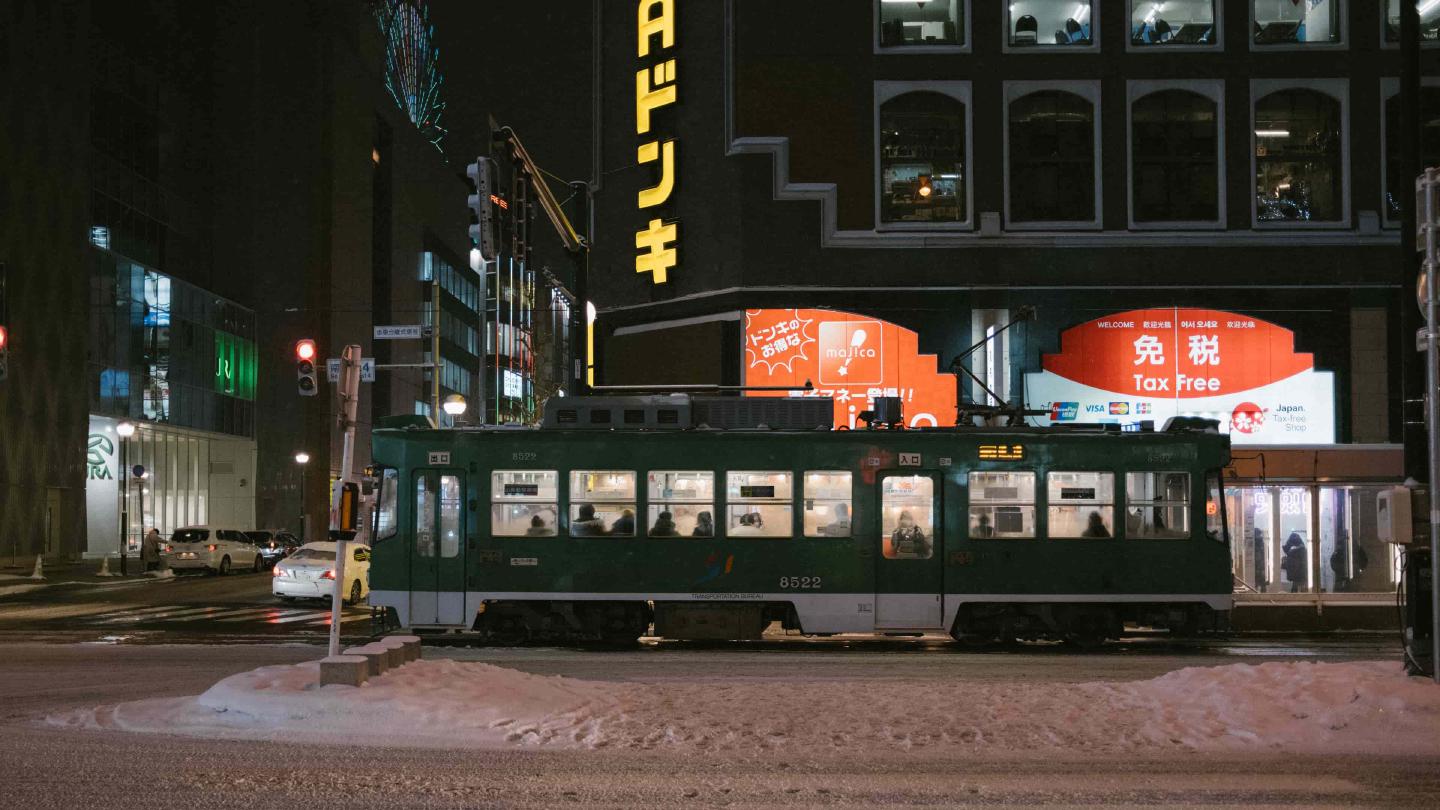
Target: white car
211,549
309,573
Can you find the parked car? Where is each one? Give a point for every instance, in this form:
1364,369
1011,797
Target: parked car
212,550
309,573
274,544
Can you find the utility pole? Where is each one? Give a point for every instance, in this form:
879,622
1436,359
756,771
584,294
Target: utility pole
435,363
349,405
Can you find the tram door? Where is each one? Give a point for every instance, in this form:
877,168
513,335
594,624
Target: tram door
908,578
437,562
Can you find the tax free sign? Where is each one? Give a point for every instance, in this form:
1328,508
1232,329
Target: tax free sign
1152,364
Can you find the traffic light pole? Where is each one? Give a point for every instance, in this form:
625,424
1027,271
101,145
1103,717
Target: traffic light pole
349,406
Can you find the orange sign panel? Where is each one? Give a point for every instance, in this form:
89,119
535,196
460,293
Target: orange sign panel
849,357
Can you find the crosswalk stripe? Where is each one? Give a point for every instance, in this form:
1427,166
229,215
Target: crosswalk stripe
212,612
128,613
220,613
348,617
266,614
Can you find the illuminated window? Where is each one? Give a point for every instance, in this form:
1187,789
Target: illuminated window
758,504
1309,22
1157,505
922,159
681,504
1173,23
1002,505
1429,22
1052,158
1082,504
1299,157
907,517
1397,183
1175,158
602,503
524,503
385,516
1051,23
827,504
922,23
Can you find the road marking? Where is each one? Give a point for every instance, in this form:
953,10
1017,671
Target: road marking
268,615
323,617
186,614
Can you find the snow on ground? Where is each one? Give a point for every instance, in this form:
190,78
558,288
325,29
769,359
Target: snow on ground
1308,707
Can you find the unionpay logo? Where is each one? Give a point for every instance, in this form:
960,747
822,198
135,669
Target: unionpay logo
1064,411
851,353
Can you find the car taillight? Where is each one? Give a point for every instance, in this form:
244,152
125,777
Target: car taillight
211,547
330,574
277,572
169,549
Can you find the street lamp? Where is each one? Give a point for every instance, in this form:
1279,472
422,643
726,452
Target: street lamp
124,430
302,458
454,405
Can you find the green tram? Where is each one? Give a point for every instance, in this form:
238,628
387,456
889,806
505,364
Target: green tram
623,516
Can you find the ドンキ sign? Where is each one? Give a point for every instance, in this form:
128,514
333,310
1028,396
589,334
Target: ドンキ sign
656,86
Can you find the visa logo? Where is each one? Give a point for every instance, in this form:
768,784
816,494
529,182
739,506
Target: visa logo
1119,408
1064,411
1094,409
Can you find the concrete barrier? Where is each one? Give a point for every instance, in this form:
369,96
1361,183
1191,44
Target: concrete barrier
395,653
410,644
377,656
345,670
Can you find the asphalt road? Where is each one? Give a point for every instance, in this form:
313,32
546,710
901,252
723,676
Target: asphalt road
50,767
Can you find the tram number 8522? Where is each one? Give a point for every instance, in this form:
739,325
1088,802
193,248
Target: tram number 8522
800,582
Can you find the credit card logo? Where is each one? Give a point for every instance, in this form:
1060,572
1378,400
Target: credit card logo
1119,408
1064,411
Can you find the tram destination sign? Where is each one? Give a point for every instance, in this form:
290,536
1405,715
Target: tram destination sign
1002,452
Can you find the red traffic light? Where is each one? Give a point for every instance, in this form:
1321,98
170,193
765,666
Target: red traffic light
305,349
4,337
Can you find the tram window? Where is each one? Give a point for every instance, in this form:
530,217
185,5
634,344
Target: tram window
907,513
1157,505
425,515
451,499
1002,505
1082,504
759,504
681,503
827,504
385,514
524,503
1215,527
602,503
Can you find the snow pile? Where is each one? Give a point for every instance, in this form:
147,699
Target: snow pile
1311,707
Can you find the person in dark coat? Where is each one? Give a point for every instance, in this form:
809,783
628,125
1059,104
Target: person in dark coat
1295,561
1340,563
624,526
908,540
664,526
704,525
1095,527
588,525
1257,544
150,550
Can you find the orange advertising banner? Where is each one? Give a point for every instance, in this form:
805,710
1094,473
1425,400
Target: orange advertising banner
852,358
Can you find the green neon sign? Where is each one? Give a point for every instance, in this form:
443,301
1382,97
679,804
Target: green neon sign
235,366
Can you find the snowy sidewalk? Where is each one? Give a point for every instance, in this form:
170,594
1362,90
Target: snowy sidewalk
1278,707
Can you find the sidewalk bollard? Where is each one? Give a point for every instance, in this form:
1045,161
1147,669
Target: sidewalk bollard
395,653
104,568
345,670
39,572
376,654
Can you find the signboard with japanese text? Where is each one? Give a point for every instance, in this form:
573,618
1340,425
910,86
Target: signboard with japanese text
852,358
656,87
1153,364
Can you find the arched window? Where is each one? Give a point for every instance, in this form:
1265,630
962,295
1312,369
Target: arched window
1397,184
922,159
1175,158
1052,158
1299,157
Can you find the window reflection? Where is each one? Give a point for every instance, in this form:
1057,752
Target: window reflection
1429,21
1176,158
1298,153
921,22
1397,183
1279,22
1052,158
1173,22
1081,504
922,159
907,512
1050,22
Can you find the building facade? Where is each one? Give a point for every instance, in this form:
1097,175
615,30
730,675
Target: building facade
1205,187
190,189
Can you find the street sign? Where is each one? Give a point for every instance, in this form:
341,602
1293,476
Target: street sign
399,332
367,369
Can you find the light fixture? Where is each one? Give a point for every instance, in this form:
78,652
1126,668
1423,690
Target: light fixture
925,189
1272,133
125,429
1427,8
454,404
302,457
